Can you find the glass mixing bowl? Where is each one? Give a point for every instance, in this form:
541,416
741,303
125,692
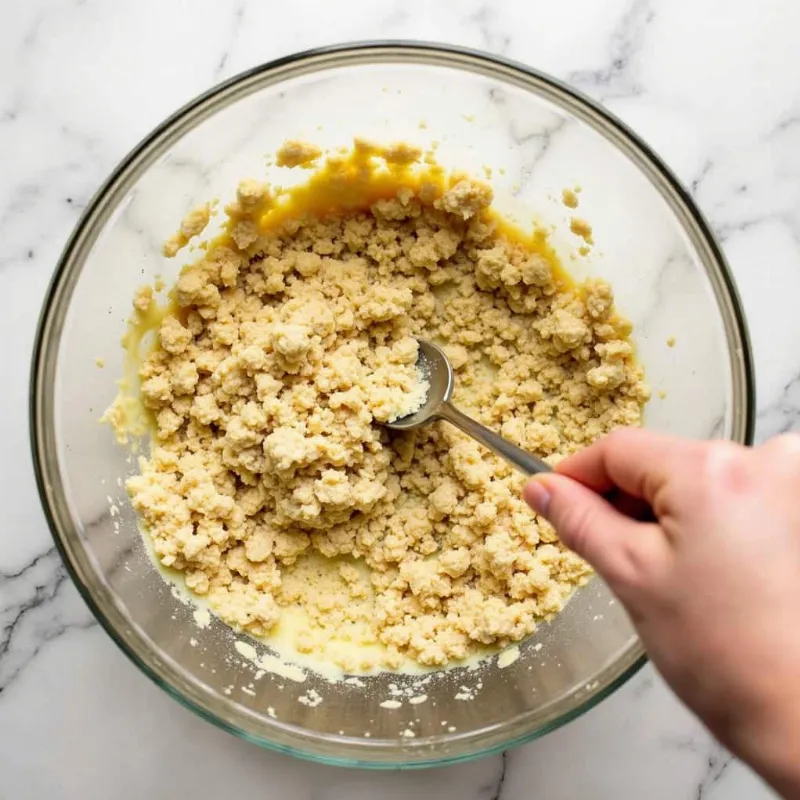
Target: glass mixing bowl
538,136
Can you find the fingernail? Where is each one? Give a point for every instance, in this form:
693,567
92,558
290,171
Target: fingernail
537,496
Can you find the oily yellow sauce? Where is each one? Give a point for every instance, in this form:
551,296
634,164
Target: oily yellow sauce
352,180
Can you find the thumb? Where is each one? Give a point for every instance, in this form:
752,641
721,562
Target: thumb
619,548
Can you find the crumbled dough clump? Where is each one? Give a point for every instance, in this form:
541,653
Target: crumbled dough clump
290,344
193,224
580,227
143,298
294,153
570,198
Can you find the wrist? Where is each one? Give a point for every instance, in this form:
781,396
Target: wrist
777,756
770,742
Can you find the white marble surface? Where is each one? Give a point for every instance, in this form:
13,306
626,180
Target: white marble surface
713,85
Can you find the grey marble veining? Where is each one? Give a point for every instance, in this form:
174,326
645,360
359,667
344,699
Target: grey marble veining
709,85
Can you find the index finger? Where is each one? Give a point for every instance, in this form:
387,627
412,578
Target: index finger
636,461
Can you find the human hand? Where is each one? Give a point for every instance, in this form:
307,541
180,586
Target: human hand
713,587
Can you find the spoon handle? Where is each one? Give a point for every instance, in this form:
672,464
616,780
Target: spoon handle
531,465
516,456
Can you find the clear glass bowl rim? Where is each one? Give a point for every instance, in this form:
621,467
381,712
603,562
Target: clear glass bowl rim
44,357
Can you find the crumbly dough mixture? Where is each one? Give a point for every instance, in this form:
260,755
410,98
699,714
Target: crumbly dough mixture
270,484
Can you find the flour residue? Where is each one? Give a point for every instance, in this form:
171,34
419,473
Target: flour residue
270,663
202,617
508,657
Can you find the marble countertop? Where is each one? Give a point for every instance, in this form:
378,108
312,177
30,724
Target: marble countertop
711,85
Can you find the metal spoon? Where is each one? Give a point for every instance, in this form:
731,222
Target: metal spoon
434,365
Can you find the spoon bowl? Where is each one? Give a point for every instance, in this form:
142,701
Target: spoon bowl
436,369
